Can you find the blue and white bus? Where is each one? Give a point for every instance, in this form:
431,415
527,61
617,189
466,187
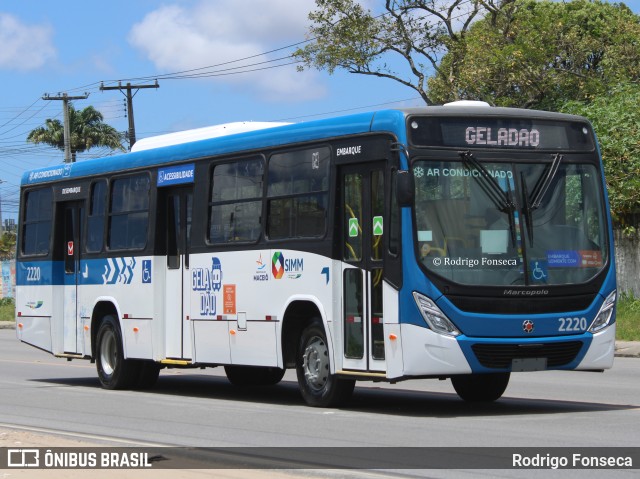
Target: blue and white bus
462,241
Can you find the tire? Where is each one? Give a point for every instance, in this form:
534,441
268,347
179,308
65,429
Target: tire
319,388
253,375
114,372
147,375
480,387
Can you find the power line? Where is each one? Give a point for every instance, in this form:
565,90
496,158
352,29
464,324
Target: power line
129,87
67,127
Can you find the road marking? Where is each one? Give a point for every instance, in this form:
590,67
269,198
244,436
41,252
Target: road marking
76,435
47,363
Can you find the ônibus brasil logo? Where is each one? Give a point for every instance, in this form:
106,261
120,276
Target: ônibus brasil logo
277,265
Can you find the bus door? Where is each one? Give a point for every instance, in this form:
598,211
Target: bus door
72,214
178,208
363,227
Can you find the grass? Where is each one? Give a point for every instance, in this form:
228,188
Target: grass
628,317
7,309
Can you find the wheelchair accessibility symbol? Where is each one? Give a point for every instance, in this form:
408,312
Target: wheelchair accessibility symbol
146,271
538,271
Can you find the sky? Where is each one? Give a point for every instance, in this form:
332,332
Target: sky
216,61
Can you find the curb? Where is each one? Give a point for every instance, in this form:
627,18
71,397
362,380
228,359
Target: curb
624,349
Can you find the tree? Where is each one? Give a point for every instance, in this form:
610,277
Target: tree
87,131
523,53
7,246
415,32
540,54
616,121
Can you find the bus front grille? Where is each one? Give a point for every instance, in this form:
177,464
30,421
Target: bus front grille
500,356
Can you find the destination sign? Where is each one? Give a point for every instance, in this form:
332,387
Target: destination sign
499,133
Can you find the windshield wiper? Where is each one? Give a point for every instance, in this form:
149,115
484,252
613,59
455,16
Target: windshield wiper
532,202
502,200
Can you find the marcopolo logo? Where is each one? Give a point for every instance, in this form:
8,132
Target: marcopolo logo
280,265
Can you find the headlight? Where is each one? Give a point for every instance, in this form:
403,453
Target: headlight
435,318
604,316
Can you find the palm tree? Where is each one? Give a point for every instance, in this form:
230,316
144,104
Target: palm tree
87,131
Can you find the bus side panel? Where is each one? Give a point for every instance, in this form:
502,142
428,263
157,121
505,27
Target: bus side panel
35,303
211,340
35,330
254,346
392,332
601,350
235,319
248,292
137,336
125,282
427,353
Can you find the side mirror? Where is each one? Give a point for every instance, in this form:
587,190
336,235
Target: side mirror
404,188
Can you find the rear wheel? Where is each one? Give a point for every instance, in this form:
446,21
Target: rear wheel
318,386
114,371
480,387
253,375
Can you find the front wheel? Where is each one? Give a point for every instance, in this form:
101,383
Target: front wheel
318,386
114,371
480,387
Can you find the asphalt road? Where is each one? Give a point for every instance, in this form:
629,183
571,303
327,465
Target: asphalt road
200,408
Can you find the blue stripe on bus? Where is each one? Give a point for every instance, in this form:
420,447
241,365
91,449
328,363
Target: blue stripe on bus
39,273
272,137
93,271
511,325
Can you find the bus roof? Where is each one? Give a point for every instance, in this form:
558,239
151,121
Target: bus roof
182,148
205,133
387,120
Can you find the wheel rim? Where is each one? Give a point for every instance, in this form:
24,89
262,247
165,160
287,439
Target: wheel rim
315,363
108,352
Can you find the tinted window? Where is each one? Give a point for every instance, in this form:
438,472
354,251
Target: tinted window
129,212
97,212
298,182
36,233
236,201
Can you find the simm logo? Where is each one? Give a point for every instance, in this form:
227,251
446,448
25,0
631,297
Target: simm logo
281,265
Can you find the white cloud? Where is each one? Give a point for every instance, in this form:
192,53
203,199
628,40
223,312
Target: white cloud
24,47
178,38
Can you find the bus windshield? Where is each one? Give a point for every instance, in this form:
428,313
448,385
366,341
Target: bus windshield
510,223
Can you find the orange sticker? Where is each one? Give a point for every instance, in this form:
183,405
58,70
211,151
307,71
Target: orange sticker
590,259
229,299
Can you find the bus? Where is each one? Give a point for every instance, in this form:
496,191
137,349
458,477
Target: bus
460,241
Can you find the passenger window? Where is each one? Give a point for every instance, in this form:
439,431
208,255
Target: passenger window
95,221
298,183
129,212
36,230
235,208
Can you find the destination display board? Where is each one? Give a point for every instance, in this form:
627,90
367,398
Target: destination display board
500,133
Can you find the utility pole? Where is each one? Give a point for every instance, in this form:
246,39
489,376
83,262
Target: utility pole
67,127
129,87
